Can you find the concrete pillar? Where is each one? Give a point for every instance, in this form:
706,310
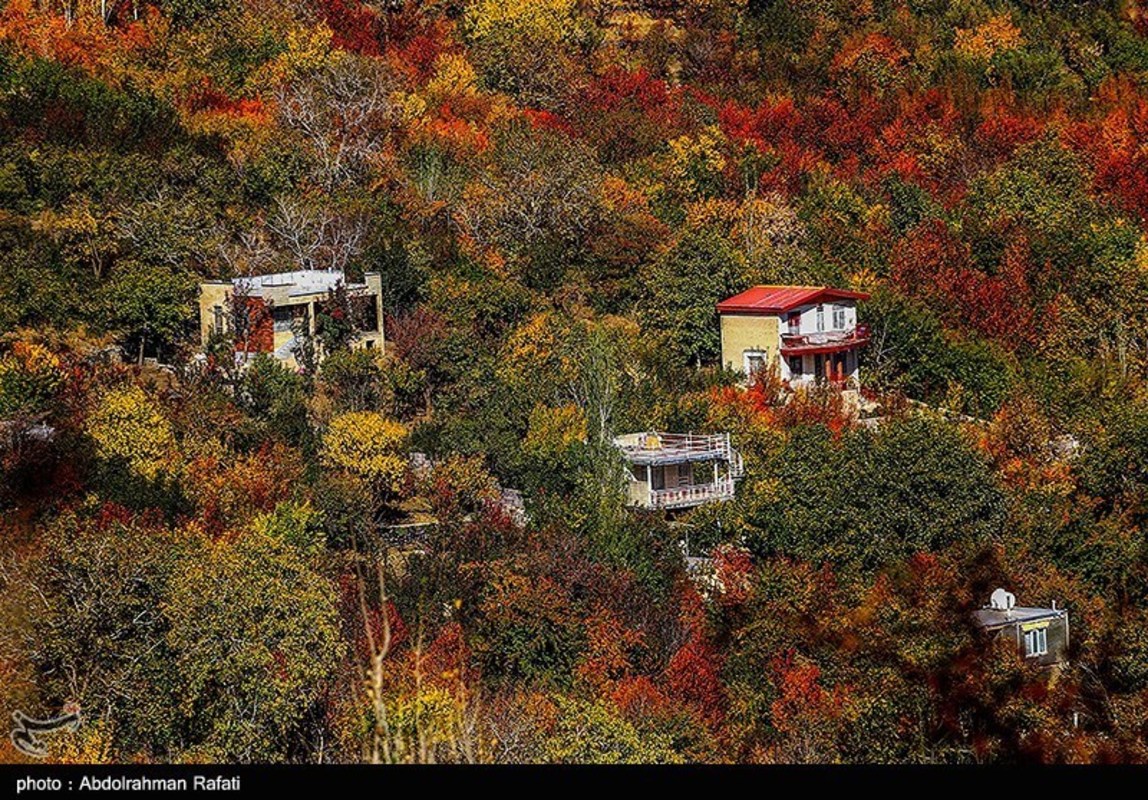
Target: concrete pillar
374,281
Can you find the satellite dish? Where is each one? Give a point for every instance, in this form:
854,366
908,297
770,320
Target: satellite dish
1002,600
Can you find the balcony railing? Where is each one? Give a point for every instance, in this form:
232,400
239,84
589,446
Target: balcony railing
812,341
654,448
685,496
810,381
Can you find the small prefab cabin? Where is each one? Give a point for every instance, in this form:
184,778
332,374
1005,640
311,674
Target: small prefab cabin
1040,634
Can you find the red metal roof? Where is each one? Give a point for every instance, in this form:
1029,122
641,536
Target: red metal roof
779,299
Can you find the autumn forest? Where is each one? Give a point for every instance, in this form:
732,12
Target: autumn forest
221,559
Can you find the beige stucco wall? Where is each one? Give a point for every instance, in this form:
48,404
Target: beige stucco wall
741,332
211,294
638,493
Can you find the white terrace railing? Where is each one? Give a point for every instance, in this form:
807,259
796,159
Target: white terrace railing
653,447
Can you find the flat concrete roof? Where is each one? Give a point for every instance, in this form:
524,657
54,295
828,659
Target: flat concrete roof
299,282
997,618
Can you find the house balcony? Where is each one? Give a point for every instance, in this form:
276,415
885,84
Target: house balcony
793,344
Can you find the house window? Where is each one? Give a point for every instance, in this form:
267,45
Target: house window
217,319
658,478
820,318
838,318
1036,642
282,316
754,362
795,366
794,322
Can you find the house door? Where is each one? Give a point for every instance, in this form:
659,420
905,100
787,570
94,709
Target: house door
818,366
658,478
837,367
685,474
795,368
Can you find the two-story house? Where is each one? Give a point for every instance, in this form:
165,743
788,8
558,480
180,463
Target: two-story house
286,302
810,333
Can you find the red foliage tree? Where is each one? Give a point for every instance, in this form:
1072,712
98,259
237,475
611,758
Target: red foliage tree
355,27
626,114
693,675
802,702
1001,133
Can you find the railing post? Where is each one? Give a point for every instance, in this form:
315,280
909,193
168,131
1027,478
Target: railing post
649,486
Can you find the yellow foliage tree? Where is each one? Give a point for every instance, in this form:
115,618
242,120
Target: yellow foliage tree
367,444
531,359
84,230
985,41
127,424
553,431
29,375
527,47
536,21
693,167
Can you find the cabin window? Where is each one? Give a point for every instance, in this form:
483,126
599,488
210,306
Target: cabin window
838,318
820,318
1036,642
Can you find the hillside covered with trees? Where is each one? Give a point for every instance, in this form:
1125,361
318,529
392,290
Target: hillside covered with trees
557,193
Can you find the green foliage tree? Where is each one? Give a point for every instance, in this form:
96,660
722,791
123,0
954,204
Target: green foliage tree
151,305
274,397
683,289
100,641
253,632
874,497
354,380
